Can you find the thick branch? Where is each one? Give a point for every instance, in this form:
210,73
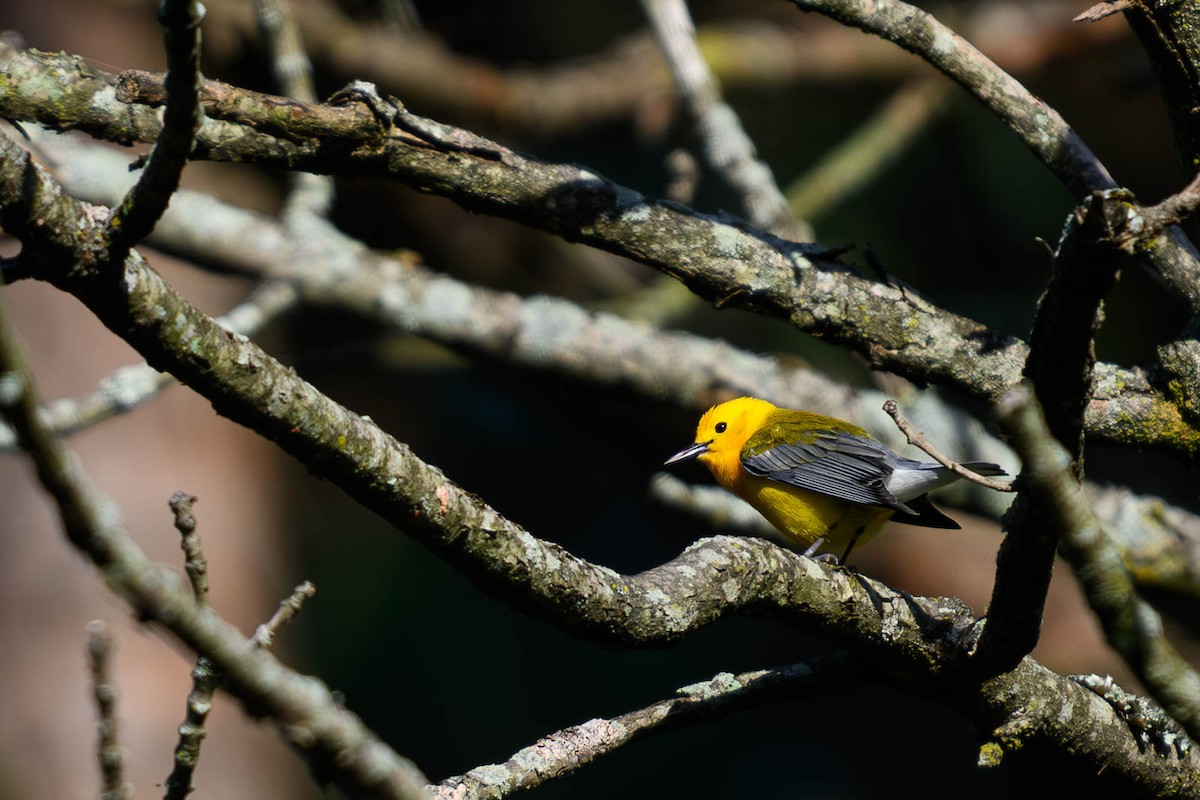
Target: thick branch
717,258
1161,543
913,640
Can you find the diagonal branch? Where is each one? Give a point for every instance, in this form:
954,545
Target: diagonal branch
334,741
565,751
543,333
1173,259
1060,367
912,640
727,146
717,258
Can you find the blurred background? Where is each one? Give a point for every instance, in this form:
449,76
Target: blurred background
447,675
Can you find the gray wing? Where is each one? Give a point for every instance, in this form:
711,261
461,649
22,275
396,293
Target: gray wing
834,463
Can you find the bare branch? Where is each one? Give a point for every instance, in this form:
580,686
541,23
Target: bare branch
195,563
721,260
1060,367
310,194
1039,126
906,637
264,635
1132,627
545,333
130,386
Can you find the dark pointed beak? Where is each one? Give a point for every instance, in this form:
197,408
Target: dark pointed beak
687,453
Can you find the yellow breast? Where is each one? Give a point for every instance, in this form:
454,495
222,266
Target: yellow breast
803,516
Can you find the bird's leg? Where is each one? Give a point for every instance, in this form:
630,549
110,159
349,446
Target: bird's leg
820,558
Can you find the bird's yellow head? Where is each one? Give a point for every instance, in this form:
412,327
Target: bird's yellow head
722,432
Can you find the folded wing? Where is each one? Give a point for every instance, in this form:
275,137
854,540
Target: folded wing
830,462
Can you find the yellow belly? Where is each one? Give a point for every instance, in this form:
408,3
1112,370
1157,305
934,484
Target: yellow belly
803,516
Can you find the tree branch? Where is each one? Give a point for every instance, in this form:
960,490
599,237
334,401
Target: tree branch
334,741
1173,259
1162,543
912,640
718,259
727,146
1060,367
1132,627
565,751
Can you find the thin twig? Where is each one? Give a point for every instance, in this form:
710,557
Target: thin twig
264,635
195,563
915,437
309,194
108,746
205,682
335,741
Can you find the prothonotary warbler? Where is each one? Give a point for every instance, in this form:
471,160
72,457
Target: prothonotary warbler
821,481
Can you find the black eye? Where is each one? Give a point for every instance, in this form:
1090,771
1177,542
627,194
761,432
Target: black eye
720,428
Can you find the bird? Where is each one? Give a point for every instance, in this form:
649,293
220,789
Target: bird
824,483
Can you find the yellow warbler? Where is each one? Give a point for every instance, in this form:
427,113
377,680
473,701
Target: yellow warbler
820,480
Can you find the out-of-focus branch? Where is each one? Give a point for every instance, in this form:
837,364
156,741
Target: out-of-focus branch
870,149
582,92
108,744
1173,258
310,194
727,147
563,752
289,607
130,386
206,677
892,328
